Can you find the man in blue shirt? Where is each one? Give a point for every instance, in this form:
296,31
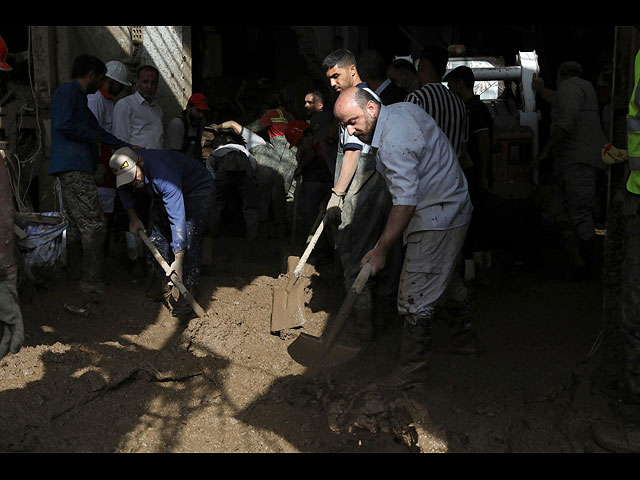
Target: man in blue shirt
75,136
181,190
431,212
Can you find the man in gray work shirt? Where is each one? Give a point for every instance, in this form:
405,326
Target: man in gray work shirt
431,211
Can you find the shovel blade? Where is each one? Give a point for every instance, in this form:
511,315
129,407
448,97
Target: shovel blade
310,351
288,307
288,298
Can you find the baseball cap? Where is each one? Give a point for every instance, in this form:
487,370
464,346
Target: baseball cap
123,165
200,101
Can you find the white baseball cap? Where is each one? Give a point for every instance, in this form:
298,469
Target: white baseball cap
123,165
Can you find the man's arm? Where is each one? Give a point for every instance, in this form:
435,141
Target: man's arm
398,220
347,169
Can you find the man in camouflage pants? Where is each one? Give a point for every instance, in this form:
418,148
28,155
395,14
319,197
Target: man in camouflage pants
75,136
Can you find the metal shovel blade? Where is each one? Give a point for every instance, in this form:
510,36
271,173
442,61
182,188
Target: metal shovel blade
288,298
288,304
310,351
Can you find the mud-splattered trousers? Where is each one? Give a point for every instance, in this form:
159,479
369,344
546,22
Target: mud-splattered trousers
197,210
573,204
429,276
87,225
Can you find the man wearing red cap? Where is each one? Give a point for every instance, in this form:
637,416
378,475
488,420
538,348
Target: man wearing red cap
184,133
3,57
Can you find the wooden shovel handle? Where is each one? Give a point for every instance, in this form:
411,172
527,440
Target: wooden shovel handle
172,275
346,307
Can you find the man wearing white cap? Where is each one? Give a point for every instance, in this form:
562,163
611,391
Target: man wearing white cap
101,104
181,190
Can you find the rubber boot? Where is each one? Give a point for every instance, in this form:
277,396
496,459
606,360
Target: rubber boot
415,350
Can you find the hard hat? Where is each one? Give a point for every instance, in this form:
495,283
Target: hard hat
117,71
295,130
200,101
3,56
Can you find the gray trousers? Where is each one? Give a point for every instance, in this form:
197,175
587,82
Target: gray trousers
429,275
573,201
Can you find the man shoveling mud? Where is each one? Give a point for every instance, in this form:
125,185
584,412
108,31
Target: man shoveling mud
431,210
181,189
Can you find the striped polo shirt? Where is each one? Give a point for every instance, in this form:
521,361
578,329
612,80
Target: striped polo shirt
446,108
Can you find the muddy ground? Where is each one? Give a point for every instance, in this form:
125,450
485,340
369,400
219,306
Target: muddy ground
126,376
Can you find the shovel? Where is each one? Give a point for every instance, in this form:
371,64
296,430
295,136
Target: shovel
288,302
174,277
308,350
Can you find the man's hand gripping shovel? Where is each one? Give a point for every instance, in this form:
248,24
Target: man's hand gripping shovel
171,273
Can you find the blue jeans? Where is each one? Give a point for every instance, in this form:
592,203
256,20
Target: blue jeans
197,214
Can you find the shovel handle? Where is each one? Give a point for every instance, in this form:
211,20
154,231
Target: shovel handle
346,307
308,250
172,275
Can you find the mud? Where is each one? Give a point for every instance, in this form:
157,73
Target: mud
125,376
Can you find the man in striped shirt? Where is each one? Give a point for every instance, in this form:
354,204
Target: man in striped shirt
446,108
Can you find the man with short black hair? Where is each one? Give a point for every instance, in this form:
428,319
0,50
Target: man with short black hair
479,173
446,108
137,118
373,69
403,73
75,136
358,206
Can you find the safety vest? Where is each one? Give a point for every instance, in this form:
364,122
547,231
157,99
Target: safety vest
633,119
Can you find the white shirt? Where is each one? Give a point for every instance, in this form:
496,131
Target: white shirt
138,122
102,109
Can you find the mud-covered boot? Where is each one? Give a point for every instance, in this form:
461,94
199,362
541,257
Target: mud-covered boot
415,350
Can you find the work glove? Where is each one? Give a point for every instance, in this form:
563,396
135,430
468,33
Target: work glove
611,154
633,183
334,206
101,175
11,326
176,266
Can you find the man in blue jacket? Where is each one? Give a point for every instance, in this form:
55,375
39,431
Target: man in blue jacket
75,136
181,190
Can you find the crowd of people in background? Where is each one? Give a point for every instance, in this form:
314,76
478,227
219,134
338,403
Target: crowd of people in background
398,168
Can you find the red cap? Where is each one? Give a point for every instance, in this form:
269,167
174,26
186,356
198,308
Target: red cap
3,56
200,101
295,129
